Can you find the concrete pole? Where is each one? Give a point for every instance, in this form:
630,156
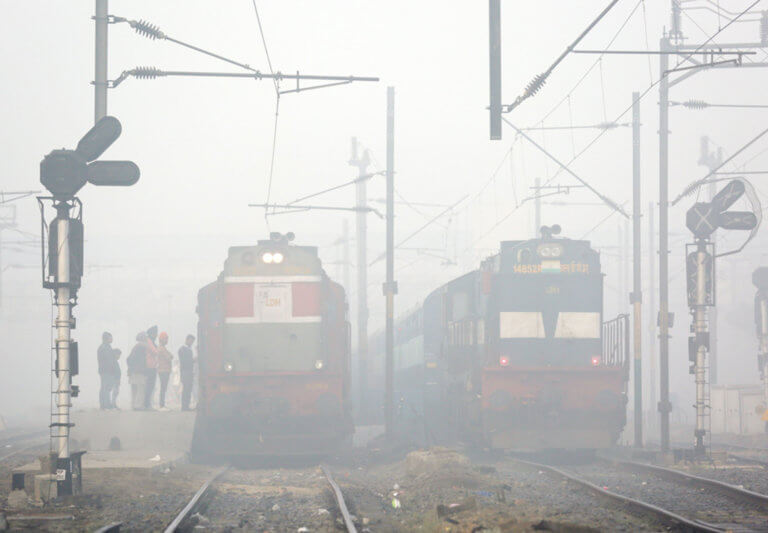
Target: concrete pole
652,311
361,196
763,313
390,288
664,405
620,262
537,210
700,331
62,325
637,257
345,255
100,70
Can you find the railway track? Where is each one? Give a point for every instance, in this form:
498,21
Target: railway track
18,443
193,504
200,499
670,497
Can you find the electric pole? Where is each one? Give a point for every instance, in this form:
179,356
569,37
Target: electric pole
636,298
652,313
664,405
537,209
760,281
361,231
100,83
345,256
390,287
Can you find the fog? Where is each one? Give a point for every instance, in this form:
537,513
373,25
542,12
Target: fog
204,147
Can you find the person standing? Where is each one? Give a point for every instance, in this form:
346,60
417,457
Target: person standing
186,371
137,372
164,360
151,367
109,371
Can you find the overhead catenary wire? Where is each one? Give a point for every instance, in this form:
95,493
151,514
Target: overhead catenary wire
277,105
423,227
359,179
641,96
693,187
539,80
610,203
562,100
651,85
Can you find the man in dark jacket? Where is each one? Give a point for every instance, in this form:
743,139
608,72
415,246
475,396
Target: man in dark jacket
186,372
109,371
137,371
151,367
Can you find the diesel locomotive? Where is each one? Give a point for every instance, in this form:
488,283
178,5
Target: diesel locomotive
514,355
274,356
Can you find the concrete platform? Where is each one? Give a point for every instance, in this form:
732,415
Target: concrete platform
100,459
166,432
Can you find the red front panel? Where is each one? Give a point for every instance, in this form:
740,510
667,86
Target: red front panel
600,388
297,394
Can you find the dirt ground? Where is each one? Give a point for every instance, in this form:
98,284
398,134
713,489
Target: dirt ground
436,490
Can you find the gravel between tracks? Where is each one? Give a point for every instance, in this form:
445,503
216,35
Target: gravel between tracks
698,503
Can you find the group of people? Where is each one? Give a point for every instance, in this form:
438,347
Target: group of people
149,361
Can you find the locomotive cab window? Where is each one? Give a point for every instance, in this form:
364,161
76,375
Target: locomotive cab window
521,325
578,325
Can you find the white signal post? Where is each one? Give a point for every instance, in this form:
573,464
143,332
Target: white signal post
700,330
63,324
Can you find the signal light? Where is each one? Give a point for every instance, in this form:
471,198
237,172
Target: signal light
504,360
595,361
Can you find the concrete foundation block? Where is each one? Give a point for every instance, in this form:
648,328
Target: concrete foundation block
46,488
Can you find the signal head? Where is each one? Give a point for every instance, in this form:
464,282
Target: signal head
99,138
63,173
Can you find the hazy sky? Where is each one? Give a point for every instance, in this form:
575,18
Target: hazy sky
204,150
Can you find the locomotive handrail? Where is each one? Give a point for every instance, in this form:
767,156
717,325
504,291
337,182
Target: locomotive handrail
616,342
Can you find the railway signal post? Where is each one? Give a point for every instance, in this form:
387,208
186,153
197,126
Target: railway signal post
64,173
703,219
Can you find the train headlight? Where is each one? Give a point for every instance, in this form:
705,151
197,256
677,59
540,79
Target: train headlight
549,250
319,364
228,367
267,257
277,257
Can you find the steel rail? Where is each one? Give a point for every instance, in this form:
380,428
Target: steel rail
725,489
658,513
750,460
339,500
186,512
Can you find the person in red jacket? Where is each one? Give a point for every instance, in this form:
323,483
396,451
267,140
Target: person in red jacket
164,359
